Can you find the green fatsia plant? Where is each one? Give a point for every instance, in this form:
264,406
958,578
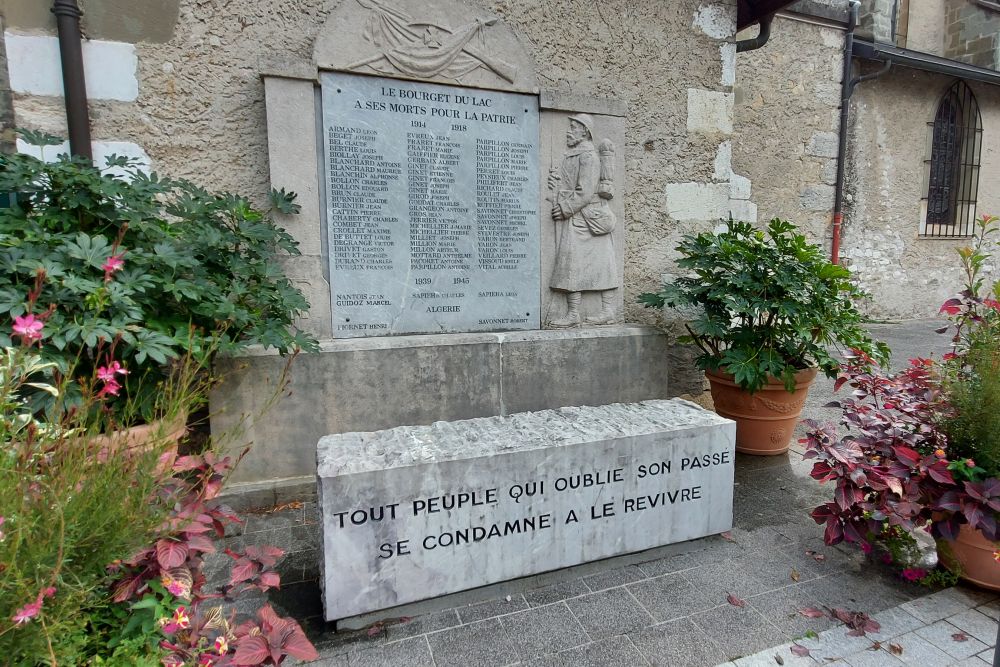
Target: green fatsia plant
123,274
768,304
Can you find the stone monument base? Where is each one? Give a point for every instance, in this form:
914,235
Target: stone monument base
370,384
417,512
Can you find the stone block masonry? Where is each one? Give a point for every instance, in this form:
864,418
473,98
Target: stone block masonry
417,512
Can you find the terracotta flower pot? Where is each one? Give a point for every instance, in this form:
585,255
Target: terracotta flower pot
765,419
970,556
158,435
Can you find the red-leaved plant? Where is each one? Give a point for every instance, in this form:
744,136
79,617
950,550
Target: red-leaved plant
169,574
893,470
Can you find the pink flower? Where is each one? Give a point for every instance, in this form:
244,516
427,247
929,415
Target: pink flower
107,373
970,463
28,327
992,303
913,573
181,618
1,532
28,612
49,592
112,264
221,645
867,548
110,388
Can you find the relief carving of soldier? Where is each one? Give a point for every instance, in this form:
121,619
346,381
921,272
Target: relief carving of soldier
585,251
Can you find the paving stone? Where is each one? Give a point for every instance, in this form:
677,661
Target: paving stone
974,597
987,655
490,608
543,630
333,661
669,565
835,644
608,613
937,606
872,658
775,569
941,635
759,539
919,651
782,607
739,631
422,625
677,644
974,661
991,609
671,596
737,577
256,523
612,652
766,658
412,652
613,578
894,622
556,592
482,644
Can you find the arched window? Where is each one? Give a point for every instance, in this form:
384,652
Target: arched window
952,172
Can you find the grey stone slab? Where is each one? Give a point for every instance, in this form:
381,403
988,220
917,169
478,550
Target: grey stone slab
737,577
988,655
669,565
974,661
423,624
976,624
413,652
894,622
835,644
939,605
738,631
919,651
483,644
677,643
782,609
872,658
556,592
973,596
543,630
609,612
490,608
768,658
422,511
671,596
432,210
991,609
612,652
942,635
616,577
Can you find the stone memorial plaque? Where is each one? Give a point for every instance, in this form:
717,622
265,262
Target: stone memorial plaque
420,511
432,207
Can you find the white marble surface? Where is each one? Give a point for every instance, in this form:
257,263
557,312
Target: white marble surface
416,512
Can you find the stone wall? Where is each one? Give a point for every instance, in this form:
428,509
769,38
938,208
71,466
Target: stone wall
972,34
787,120
199,111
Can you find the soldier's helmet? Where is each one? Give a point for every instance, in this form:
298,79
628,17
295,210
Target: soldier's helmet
586,120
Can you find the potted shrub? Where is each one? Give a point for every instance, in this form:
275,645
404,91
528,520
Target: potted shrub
127,272
769,306
922,449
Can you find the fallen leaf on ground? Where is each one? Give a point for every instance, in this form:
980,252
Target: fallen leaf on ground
778,659
735,601
800,651
795,575
810,612
858,621
895,649
960,637
727,536
816,556
375,629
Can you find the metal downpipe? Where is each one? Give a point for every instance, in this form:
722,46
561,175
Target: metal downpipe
845,101
74,85
760,40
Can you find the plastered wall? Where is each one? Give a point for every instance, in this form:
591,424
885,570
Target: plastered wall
199,109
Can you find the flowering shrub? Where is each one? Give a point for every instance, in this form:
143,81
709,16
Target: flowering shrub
914,455
138,271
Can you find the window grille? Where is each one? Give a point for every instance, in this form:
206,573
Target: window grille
952,171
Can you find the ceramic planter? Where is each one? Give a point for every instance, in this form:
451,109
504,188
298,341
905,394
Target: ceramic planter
765,419
970,556
137,440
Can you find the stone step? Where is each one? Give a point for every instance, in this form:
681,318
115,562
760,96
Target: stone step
416,512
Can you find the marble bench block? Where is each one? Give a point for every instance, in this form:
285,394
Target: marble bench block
416,512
